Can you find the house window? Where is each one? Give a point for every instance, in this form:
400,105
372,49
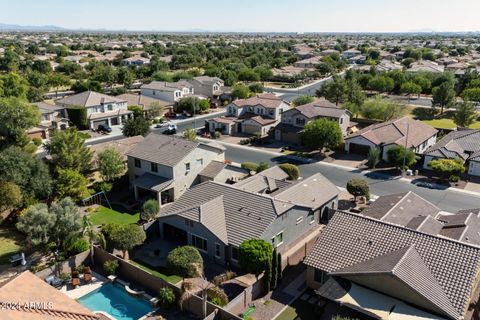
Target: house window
217,250
199,243
153,167
300,122
187,167
299,220
277,240
153,92
200,162
341,120
235,254
137,163
110,107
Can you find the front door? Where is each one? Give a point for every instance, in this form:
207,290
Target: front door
239,127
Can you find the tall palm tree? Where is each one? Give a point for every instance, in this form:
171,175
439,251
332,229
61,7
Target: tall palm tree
93,235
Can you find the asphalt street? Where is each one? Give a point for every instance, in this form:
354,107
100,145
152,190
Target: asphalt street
448,200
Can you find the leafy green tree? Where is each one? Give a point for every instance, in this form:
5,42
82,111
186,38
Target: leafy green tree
250,166
262,166
472,94
37,223
254,255
68,220
137,111
334,91
373,157
256,87
247,74
190,134
358,188
16,116
14,85
399,155
240,91
71,183
322,133
136,127
465,115
166,297
126,237
380,109
274,263
446,168
111,267
110,164
68,151
354,94
443,95
58,80
292,170
410,88
185,261
126,77
10,195
162,76
301,100
381,84
150,209
26,171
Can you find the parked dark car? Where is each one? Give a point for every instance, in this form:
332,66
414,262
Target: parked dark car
171,129
104,128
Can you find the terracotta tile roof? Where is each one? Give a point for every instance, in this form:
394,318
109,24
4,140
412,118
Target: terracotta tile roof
26,288
395,131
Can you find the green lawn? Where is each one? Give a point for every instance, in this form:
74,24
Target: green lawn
445,123
171,278
103,215
298,310
10,242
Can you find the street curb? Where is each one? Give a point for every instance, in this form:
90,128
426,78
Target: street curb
200,117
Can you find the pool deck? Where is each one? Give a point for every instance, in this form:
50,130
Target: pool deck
84,288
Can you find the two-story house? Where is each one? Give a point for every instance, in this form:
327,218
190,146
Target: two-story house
52,118
167,91
294,120
255,115
210,87
216,217
164,167
101,108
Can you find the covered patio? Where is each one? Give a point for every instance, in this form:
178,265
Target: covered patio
151,186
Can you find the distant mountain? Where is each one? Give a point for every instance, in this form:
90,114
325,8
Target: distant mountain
16,27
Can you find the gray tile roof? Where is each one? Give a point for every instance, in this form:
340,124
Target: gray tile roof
408,274
47,108
262,184
212,169
88,99
320,108
267,100
463,226
457,144
350,239
167,86
400,208
165,150
247,214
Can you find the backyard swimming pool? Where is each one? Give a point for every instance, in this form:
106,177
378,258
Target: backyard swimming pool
114,300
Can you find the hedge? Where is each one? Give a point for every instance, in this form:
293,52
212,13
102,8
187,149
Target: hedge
78,116
184,261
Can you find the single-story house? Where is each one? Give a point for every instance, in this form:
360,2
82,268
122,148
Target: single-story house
462,144
388,271
404,131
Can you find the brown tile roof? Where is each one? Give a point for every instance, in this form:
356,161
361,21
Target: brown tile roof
395,131
142,101
122,145
268,100
320,108
351,239
88,99
26,288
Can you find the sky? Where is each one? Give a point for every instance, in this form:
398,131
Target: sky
248,15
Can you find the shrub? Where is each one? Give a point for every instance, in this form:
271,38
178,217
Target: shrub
254,255
150,209
185,261
78,116
37,141
244,141
358,187
110,267
80,268
250,166
454,178
373,157
217,134
262,166
218,296
102,186
166,297
290,169
78,246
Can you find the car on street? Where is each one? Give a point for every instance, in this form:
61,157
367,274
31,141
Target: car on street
171,129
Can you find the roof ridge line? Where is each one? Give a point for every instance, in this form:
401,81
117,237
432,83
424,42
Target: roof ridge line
410,248
410,230
396,204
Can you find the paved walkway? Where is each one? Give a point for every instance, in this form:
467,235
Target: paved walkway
84,288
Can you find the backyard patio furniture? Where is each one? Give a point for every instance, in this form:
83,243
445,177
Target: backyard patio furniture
54,281
75,282
87,277
17,259
87,270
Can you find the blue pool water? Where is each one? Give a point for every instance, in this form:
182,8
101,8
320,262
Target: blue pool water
114,300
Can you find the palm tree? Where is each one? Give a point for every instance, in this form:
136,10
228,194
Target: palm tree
93,236
189,289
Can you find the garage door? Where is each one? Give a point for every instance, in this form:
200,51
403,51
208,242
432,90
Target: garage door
359,148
